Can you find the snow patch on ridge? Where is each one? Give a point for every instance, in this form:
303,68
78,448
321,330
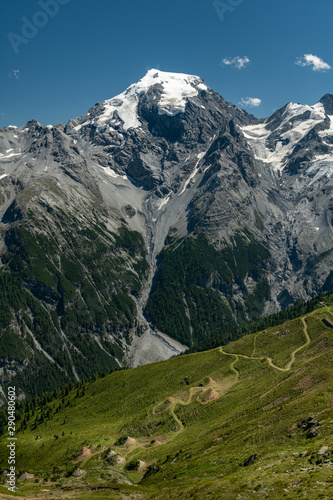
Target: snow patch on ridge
5,157
164,201
111,173
328,132
321,168
194,173
257,135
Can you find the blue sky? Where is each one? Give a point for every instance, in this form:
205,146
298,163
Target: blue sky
91,50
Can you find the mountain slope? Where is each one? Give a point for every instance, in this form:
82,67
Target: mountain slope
250,418
162,217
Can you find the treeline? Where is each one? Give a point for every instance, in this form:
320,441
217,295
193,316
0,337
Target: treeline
33,412
261,324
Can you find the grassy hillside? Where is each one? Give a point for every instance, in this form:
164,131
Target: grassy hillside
253,419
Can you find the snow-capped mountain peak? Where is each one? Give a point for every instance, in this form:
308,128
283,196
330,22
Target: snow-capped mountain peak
274,140
96,204
175,89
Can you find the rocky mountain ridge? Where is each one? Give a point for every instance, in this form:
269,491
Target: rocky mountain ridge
159,218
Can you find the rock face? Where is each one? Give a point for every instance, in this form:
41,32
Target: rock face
310,426
25,476
249,461
78,473
160,217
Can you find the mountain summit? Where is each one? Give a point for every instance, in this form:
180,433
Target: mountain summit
170,92
160,218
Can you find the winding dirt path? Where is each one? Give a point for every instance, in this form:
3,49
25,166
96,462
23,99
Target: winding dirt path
254,344
293,354
178,421
270,360
232,364
194,390
236,356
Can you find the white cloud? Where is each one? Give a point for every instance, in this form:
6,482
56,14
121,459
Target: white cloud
314,61
15,73
251,102
236,62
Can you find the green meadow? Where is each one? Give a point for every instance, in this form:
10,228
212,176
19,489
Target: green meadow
253,419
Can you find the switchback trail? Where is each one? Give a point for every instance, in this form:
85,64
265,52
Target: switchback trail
293,354
237,356
194,390
270,361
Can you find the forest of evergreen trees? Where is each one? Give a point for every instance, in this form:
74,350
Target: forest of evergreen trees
262,323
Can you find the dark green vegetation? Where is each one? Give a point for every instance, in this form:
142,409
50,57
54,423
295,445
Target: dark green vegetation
252,419
193,295
66,283
262,323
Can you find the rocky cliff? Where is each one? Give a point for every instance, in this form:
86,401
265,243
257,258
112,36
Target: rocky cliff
161,217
